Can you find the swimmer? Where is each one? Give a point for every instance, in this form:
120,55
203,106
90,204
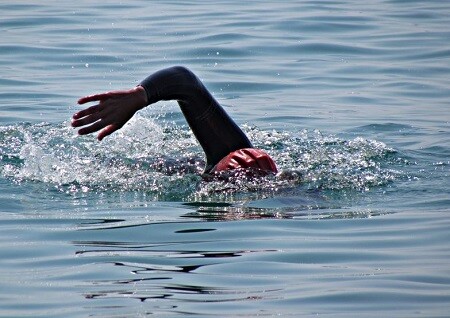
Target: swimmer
225,145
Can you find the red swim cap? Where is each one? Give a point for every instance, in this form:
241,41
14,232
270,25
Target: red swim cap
247,158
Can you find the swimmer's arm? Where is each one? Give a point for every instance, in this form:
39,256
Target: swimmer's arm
112,111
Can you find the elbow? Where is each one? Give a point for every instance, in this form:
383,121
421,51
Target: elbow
185,84
173,83
184,73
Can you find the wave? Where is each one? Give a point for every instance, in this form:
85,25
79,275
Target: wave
165,161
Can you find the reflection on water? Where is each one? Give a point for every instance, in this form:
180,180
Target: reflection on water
196,267
158,269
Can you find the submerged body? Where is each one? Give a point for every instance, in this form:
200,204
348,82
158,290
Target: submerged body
225,145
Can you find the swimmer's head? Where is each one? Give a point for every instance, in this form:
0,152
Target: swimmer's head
247,158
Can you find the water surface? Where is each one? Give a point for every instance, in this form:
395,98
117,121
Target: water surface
351,100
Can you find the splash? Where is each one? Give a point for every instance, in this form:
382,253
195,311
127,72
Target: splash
132,160
165,160
328,162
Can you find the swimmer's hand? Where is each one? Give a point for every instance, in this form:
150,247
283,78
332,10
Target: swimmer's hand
113,110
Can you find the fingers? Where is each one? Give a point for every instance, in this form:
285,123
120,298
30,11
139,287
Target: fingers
101,98
92,128
85,113
107,131
90,110
86,121
93,98
107,115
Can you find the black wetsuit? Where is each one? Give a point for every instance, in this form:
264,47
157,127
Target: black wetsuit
216,132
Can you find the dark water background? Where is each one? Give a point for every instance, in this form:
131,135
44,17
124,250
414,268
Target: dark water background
350,98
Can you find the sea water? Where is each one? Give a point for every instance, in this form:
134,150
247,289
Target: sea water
350,98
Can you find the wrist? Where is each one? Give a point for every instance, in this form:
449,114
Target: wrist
140,96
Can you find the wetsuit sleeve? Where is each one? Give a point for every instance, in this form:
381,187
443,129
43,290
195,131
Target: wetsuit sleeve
216,132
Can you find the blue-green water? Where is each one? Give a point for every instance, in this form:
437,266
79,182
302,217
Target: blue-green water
351,99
